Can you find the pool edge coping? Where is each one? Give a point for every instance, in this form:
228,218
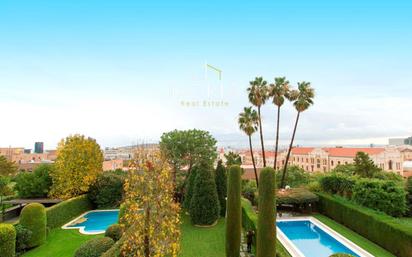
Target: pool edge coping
81,228
295,252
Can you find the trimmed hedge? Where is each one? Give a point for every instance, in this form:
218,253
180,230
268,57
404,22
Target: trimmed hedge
379,228
234,213
7,240
249,222
63,212
33,217
94,247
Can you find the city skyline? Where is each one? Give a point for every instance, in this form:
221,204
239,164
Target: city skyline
118,71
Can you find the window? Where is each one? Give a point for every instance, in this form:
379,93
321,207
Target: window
331,162
390,165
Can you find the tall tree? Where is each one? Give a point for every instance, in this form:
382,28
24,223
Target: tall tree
279,91
79,160
258,94
248,123
234,212
303,100
221,181
7,168
364,165
150,211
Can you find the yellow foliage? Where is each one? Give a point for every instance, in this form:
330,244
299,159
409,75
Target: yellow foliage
79,160
150,210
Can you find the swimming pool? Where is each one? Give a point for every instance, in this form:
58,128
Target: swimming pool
308,237
94,222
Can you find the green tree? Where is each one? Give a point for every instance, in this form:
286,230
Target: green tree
258,94
204,205
296,177
266,232
7,168
107,191
221,181
248,123
364,165
233,159
5,189
79,160
34,184
348,169
190,187
279,91
234,212
303,99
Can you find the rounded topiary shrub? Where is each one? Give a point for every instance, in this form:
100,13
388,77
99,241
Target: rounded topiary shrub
23,236
115,232
266,234
204,205
234,212
7,240
94,247
33,217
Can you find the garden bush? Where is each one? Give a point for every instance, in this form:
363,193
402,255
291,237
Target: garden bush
63,212
234,212
7,240
204,205
266,219
221,181
379,228
107,190
23,237
383,195
33,217
296,196
296,176
338,183
409,196
34,184
115,232
122,212
249,190
94,247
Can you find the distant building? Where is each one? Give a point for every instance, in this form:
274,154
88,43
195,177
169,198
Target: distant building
38,147
400,141
26,160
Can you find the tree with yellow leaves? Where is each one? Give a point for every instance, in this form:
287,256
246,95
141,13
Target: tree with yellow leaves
150,213
79,160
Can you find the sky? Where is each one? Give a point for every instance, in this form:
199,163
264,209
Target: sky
123,72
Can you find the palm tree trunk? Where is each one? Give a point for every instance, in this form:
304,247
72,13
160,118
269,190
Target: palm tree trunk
282,183
277,139
253,161
261,138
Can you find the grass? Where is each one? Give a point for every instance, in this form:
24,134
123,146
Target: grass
364,243
202,242
61,243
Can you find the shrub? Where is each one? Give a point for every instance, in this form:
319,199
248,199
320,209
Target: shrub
382,195
337,183
249,190
221,182
61,213
122,212
34,184
409,191
346,169
296,176
7,240
94,247
204,205
314,186
234,212
266,218
115,232
379,228
107,191
33,217
23,236
296,196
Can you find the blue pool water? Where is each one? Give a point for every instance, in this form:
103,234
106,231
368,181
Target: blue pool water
311,240
96,221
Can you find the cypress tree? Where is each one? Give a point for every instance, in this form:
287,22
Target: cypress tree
204,205
189,188
266,232
234,212
221,181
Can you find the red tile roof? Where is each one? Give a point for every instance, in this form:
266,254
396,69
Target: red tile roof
351,152
302,150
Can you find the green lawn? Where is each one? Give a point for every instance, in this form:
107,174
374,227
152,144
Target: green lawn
60,243
354,237
202,242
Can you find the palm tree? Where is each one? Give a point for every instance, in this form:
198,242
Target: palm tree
279,91
258,94
303,99
248,123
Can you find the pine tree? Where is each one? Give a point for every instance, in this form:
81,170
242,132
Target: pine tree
189,188
204,205
221,181
234,212
266,234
